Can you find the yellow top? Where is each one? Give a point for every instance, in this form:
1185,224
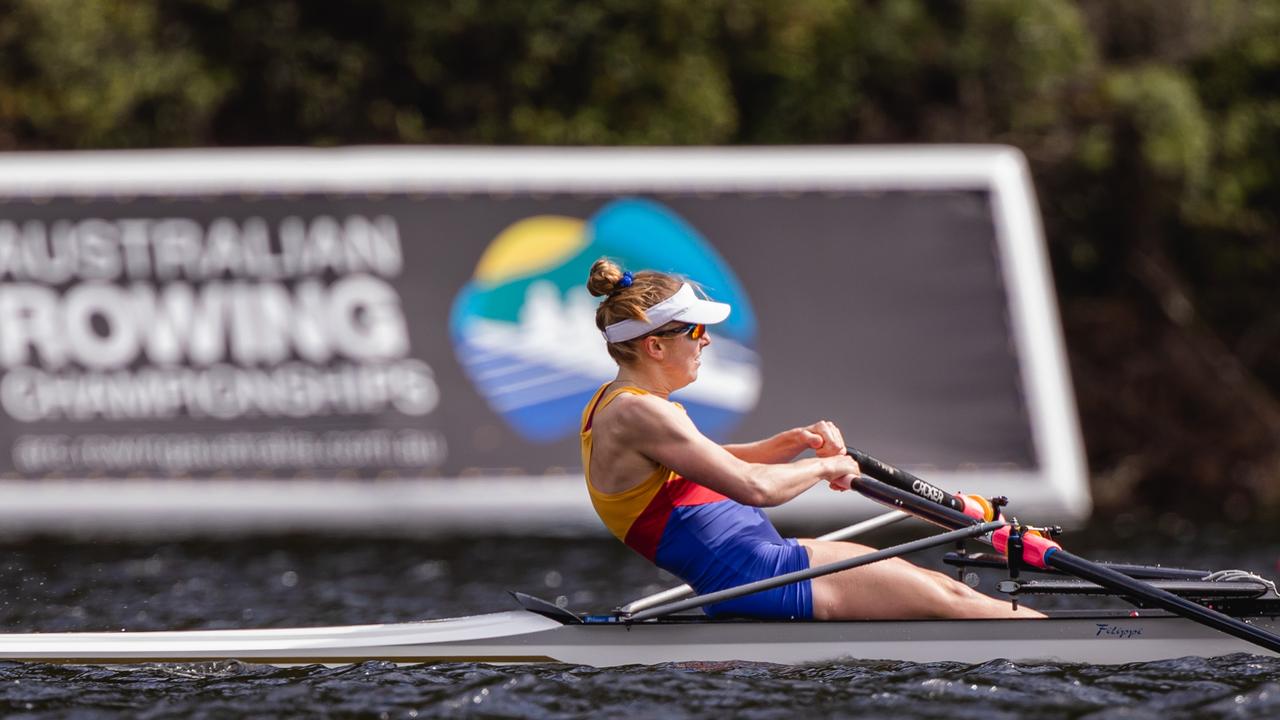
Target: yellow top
619,511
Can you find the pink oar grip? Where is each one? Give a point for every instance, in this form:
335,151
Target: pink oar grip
1034,547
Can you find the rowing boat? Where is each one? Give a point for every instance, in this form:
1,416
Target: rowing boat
1176,613
532,636
539,631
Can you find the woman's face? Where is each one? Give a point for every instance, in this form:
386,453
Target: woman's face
684,354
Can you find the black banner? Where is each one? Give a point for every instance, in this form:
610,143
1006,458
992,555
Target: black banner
413,335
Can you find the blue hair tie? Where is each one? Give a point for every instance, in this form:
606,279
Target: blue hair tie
625,282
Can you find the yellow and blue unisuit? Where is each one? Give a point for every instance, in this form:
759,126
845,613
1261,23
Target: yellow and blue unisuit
708,540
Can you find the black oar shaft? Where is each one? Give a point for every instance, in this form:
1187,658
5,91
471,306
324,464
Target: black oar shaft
810,573
916,505
903,480
1108,578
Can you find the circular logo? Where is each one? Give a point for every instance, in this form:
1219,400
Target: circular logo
524,327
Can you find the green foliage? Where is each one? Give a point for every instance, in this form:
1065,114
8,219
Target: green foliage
102,74
1165,113
1023,57
95,73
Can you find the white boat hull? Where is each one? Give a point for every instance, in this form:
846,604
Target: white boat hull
521,636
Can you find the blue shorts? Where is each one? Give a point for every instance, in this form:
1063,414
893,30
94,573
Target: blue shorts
725,544
789,602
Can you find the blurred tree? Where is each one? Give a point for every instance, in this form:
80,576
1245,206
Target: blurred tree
96,73
1166,265
622,71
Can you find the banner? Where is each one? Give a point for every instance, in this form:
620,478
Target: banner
456,335
446,332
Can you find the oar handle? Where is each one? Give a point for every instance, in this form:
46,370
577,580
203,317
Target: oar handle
883,492
905,481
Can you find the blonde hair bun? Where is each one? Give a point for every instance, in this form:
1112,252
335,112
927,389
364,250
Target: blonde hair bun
604,277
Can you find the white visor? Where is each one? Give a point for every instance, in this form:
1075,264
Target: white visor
684,306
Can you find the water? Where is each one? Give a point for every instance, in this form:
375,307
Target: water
60,585
1234,686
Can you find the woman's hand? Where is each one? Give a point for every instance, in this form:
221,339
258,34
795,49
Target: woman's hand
824,437
841,472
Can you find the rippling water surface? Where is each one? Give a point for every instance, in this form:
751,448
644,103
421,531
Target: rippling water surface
59,585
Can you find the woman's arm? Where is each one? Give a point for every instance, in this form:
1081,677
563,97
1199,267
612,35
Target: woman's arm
780,448
822,436
666,435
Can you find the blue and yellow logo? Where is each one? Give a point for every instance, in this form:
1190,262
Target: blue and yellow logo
524,326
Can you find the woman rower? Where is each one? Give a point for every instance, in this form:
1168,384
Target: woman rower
692,506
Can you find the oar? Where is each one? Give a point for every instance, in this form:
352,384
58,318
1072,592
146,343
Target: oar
846,533
813,572
1119,582
909,491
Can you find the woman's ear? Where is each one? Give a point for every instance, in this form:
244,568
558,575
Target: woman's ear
653,347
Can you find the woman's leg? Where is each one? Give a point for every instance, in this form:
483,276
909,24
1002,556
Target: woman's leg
894,589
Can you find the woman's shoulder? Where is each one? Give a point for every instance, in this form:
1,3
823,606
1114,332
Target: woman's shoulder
628,402
639,410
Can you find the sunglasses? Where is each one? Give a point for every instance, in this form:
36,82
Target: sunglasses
695,331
